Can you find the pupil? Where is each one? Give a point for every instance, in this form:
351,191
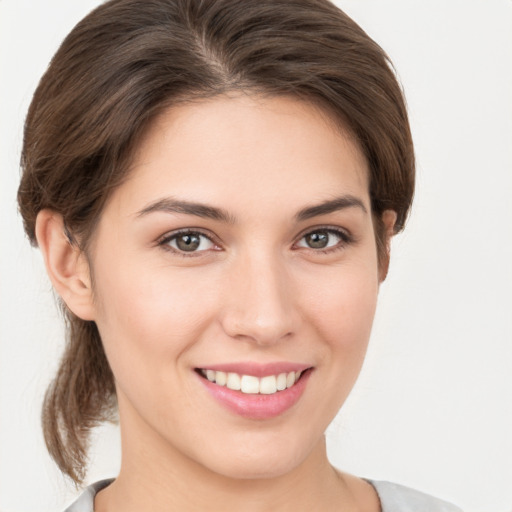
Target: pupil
317,240
188,242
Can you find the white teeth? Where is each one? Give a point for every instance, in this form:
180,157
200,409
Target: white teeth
268,385
233,381
253,385
221,378
250,384
281,382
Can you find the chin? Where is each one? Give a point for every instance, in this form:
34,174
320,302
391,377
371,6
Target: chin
255,469
261,460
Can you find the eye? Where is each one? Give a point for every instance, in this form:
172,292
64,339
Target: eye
323,239
187,242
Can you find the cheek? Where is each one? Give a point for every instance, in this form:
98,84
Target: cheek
342,303
148,314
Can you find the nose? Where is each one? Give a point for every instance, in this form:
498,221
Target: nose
259,305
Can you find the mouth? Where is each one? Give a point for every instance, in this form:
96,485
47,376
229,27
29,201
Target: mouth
256,392
250,384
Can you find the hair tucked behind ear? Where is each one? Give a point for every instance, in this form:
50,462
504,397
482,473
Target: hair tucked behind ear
81,396
128,61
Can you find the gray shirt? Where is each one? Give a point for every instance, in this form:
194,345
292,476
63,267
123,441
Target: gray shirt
393,498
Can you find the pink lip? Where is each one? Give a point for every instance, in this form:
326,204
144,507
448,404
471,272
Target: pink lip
257,369
257,407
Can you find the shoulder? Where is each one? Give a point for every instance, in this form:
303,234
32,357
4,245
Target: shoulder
85,503
398,498
393,498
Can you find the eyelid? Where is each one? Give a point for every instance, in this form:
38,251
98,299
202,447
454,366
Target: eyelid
345,235
163,241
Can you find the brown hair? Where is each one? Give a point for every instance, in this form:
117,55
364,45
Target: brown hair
129,60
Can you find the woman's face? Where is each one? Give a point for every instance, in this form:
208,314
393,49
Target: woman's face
240,252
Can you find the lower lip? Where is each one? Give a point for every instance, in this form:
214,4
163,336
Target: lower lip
258,406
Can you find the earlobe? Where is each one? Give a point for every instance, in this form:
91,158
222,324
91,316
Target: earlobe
388,223
66,264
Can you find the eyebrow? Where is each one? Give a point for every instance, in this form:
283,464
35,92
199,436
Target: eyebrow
170,205
331,206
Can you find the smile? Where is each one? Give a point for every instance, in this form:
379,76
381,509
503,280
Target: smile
251,385
256,391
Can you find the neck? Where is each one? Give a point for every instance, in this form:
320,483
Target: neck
181,486
158,477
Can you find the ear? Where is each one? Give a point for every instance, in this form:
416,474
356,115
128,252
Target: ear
388,223
66,264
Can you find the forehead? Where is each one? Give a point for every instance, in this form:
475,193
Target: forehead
250,147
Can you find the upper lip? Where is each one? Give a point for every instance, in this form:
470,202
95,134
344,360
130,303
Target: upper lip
257,369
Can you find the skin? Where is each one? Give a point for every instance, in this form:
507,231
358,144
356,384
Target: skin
254,290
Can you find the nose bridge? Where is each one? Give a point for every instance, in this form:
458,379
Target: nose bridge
260,304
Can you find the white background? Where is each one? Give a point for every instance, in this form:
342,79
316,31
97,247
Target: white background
433,406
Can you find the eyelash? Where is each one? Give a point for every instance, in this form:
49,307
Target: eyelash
345,239
169,237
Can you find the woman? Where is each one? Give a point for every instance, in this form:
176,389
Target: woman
214,186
